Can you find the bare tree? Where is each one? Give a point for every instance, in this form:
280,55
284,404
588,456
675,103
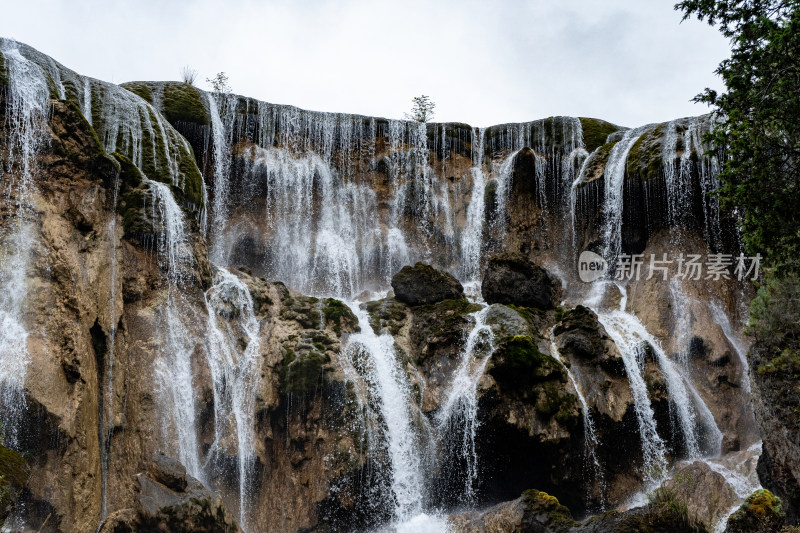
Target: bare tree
219,83
422,110
188,75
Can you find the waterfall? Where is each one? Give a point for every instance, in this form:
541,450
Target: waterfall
472,237
26,116
221,158
589,435
375,359
653,449
612,206
457,419
234,372
173,371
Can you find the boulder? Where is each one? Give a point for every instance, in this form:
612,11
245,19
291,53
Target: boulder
422,285
707,493
533,512
168,499
761,512
515,280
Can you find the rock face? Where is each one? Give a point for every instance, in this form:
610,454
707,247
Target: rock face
513,279
170,500
422,284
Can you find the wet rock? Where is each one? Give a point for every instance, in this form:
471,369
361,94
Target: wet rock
14,472
761,512
513,279
580,334
666,513
422,284
707,494
507,322
183,506
533,512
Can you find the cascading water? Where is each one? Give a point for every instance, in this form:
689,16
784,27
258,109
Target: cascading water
457,419
26,114
174,379
221,157
612,205
374,356
653,447
472,236
234,372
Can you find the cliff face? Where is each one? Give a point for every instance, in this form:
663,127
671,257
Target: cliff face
158,353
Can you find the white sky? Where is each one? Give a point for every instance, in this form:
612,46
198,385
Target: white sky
489,62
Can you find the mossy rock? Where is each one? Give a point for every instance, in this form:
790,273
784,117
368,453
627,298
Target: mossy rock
546,510
645,157
131,202
422,284
14,473
596,132
305,310
596,163
519,367
387,315
444,319
761,512
302,372
140,89
340,316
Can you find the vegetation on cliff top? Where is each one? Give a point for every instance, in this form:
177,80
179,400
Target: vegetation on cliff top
762,132
596,132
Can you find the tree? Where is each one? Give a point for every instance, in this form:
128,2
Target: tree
422,110
761,130
188,75
219,83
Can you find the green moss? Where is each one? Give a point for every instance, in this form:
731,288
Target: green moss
132,199
302,372
98,146
761,511
548,510
595,165
140,89
387,314
644,159
556,401
184,103
14,472
596,132
445,317
340,316
518,366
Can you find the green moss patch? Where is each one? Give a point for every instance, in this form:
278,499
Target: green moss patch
518,366
140,89
302,372
761,511
184,103
596,132
339,316
14,472
387,315
645,159
548,511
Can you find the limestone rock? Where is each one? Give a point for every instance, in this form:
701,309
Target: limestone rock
513,279
533,512
182,506
422,284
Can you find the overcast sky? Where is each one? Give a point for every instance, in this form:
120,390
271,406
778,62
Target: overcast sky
488,62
